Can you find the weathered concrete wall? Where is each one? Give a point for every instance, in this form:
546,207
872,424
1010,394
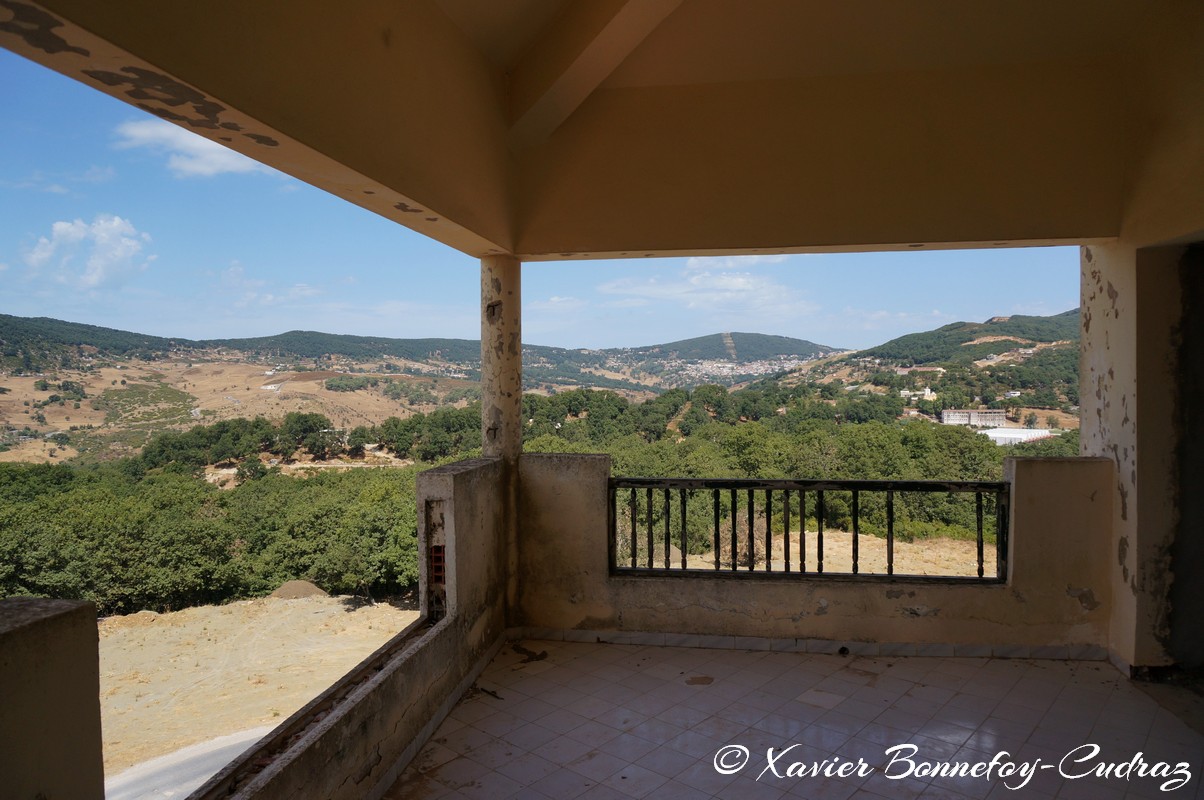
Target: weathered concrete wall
49,700
1187,552
359,748
1128,387
1107,387
1058,593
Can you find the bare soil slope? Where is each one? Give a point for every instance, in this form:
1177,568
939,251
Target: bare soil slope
171,680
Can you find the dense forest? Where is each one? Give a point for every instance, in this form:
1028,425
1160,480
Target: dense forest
1049,379
150,532
950,344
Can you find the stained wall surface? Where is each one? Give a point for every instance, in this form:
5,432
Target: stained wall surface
1058,593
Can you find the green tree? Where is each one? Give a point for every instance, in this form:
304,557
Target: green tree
359,438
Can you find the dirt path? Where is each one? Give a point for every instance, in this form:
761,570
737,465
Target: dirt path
171,680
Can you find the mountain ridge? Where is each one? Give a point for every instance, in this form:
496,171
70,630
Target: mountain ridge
29,344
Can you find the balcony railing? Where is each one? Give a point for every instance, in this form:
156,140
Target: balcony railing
949,530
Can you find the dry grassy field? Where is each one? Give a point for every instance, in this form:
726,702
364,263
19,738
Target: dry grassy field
125,404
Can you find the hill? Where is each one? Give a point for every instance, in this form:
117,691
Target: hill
1027,365
736,347
34,345
314,344
965,342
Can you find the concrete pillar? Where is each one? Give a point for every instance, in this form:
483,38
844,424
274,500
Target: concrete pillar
502,394
501,357
1128,390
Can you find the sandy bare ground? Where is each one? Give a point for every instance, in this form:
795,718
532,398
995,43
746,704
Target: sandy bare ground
171,680
936,556
38,452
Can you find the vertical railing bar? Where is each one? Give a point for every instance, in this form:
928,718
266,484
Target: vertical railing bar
715,508
650,550
735,520
683,528
984,494
612,522
668,522
856,531
1002,499
768,530
890,532
978,513
786,529
819,536
802,530
635,542
752,541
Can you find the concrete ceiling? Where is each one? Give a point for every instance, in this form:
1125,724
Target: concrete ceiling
585,128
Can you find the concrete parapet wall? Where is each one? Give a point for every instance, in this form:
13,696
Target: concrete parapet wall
1058,592
49,700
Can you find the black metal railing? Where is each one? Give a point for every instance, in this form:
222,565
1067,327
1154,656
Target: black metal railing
787,528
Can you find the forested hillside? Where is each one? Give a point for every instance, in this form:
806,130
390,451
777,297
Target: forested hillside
314,344
952,343
734,346
150,532
35,343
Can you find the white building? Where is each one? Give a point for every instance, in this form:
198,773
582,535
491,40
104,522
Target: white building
973,417
1010,436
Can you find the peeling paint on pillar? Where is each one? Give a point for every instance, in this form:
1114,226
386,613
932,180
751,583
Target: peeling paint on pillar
501,357
1085,596
1131,311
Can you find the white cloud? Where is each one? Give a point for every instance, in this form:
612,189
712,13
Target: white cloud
96,174
234,281
628,302
730,293
247,291
883,323
188,155
556,305
733,262
58,182
394,318
92,255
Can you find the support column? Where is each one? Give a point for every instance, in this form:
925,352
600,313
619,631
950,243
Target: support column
1128,366
501,357
502,395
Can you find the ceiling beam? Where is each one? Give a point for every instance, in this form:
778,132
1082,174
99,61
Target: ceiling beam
572,58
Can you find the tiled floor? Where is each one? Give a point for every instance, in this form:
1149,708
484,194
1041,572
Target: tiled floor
596,721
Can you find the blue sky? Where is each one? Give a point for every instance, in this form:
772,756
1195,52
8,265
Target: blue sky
114,218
